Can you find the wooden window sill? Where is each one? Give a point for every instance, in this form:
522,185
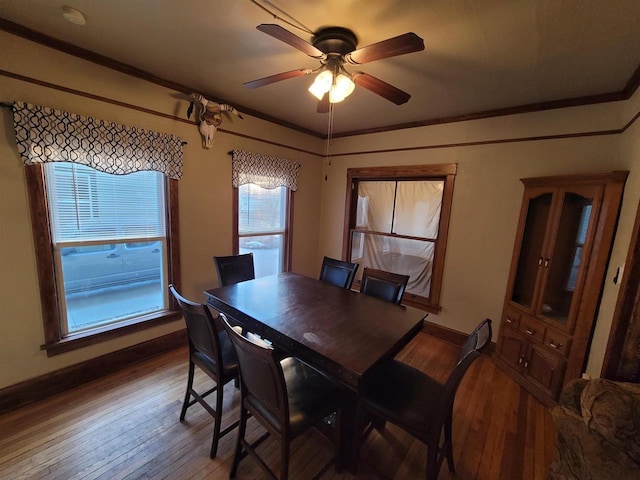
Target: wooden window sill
83,339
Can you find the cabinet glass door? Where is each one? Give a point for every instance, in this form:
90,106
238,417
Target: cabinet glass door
563,266
531,249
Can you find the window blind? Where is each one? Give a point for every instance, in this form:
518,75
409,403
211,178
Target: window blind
88,205
261,210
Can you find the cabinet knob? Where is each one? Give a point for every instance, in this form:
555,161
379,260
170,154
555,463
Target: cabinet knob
530,332
521,359
508,320
546,262
552,344
540,261
526,364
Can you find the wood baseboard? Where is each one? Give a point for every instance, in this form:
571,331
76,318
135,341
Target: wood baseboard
39,388
452,336
35,389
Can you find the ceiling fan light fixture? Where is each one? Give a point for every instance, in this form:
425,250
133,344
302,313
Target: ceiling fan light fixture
339,86
341,89
333,47
321,84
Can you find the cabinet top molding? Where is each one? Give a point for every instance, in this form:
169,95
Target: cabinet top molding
617,176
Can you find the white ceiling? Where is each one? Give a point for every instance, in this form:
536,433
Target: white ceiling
480,55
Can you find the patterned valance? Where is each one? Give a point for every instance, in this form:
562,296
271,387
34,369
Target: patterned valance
263,170
47,135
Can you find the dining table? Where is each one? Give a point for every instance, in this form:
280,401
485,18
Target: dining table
340,332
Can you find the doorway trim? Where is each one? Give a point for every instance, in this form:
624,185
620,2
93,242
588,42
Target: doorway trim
629,290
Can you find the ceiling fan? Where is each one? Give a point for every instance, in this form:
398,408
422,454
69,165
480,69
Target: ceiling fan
335,47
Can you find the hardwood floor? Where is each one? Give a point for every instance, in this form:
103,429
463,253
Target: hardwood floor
125,426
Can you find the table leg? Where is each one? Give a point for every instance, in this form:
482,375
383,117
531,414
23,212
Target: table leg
352,423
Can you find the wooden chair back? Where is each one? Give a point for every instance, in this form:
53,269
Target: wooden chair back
262,379
384,285
338,272
201,328
234,268
476,342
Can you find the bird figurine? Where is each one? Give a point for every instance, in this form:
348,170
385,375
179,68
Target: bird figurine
209,116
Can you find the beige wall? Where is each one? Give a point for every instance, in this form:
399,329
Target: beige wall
630,160
204,193
483,222
488,193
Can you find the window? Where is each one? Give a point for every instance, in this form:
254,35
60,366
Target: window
104,219
263,209
397,220
108,238
104,248
263,218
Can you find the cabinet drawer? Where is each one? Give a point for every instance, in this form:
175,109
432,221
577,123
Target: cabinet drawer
532,328
557,342
511,318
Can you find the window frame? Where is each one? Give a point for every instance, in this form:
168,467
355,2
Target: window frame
287,240
55,342
445,172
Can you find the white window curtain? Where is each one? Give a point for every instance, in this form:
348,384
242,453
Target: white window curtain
263,170
414,207
407,208
47,135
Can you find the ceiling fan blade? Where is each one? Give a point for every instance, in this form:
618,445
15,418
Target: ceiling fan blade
392,47
381,88
261,82
323,105
276,31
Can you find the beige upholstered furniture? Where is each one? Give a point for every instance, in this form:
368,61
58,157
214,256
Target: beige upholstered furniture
598,431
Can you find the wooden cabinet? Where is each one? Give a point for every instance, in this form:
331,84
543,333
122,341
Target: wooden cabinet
561,252
525,354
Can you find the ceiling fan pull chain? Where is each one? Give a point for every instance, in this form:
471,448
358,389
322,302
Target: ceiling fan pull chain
329,134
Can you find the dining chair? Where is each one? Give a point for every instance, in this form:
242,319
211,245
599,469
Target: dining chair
419,404
234,268
285,396
386,286
210,348
338,272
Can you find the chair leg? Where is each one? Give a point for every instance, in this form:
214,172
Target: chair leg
217,421
448,442
187,395
378,423
242,426
284,457
432,462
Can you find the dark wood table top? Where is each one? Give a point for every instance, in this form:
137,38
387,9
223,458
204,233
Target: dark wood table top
339,331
